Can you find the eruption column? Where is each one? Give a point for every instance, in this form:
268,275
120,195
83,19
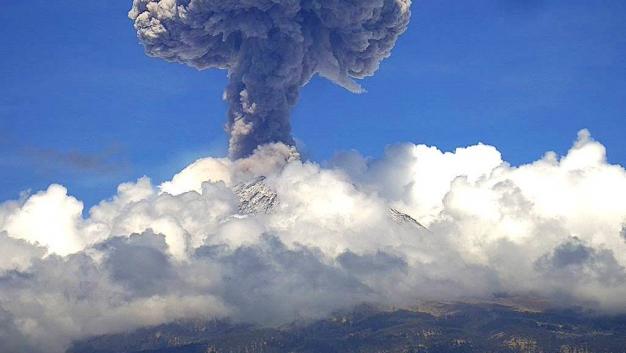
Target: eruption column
271,48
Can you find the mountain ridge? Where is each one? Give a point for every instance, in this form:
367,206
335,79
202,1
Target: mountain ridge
462,328
256,197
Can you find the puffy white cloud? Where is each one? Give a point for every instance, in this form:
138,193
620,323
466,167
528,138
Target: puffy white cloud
552,229
191,179
50,218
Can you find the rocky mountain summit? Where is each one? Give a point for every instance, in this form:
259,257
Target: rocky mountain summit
256,197
403,218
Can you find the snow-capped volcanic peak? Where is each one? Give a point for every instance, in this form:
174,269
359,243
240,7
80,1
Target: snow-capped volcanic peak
256,197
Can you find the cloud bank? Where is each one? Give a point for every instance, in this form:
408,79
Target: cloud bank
271,48
552,229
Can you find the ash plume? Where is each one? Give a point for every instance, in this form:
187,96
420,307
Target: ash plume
271,48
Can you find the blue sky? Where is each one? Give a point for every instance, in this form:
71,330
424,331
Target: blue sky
81,105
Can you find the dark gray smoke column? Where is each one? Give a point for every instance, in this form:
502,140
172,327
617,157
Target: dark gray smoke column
271,48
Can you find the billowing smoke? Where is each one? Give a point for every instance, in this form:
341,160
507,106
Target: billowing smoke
271,48
312,240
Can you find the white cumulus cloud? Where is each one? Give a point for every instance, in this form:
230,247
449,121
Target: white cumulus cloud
551,229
